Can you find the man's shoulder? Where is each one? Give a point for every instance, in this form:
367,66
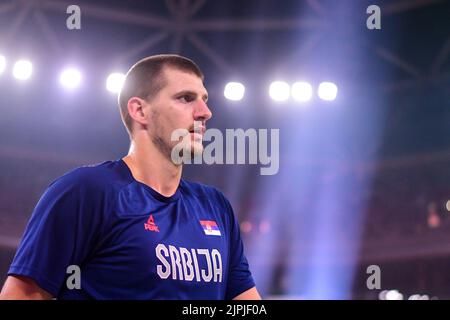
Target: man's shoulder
99,176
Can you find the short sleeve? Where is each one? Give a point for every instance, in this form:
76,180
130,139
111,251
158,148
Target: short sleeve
240,278
58,235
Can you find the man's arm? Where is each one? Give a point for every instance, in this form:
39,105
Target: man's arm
23,288
250,294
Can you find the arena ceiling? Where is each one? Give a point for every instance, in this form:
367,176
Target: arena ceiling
244,37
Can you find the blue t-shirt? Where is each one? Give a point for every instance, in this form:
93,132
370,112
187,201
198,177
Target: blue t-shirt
130,242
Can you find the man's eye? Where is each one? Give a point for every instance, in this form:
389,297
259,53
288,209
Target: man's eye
186,98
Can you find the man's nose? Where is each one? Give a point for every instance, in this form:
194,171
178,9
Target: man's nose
201,111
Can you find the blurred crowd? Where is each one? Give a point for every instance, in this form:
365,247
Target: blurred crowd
398,202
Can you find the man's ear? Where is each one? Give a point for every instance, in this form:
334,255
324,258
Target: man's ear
138,110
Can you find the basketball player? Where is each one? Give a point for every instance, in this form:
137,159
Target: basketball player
132,228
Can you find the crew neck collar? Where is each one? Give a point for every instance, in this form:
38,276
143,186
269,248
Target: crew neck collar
152,191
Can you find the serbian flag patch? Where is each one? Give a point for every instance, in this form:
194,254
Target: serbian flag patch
210,227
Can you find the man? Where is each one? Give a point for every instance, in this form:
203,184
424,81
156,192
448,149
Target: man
133,227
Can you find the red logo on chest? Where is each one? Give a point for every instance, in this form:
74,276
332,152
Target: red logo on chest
150,225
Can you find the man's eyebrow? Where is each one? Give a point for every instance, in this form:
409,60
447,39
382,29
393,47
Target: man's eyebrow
192,93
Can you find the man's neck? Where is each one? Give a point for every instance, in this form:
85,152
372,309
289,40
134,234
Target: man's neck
149,166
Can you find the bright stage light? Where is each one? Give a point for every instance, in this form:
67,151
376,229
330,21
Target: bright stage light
2,64
114,82
70,78
234,91
279,91
327,91
22,70
394,295
382,295
301,91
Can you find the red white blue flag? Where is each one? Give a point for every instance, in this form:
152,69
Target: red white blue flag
210,228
